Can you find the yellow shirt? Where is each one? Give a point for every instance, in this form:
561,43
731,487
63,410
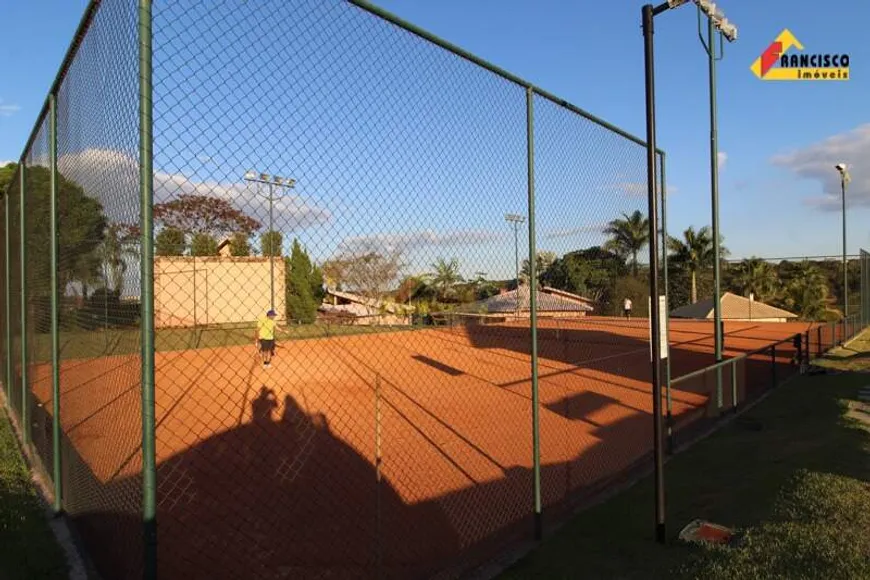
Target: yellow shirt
266,328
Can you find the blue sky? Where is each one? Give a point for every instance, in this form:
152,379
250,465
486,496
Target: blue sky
394,141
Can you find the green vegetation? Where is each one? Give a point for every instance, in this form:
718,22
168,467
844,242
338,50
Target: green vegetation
693,254
28,548
203,244
271,243
240,244
304,286
628,236
169,242
791,475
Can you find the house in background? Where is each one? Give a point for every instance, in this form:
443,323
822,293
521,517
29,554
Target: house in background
550,302
349,308
734,307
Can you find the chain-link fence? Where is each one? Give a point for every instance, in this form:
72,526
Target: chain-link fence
865,288
372,307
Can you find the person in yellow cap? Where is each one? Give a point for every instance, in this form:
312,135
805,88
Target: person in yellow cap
265,337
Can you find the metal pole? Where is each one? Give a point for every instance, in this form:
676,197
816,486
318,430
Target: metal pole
271,253
845,261
670,421
55,316
710,47
8,273
533,313
22,221
146,191
647,13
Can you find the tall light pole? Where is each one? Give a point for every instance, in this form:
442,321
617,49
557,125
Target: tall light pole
516,219
271,181
715,15
648,12
844,179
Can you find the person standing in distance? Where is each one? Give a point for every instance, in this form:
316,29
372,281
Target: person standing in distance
265,337
626,308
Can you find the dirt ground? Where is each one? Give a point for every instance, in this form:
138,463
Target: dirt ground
397,451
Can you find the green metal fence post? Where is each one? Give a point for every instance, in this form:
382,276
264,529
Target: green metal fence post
146,192
667,320
55,316
773,365
734,384
22,206
533,311
8,282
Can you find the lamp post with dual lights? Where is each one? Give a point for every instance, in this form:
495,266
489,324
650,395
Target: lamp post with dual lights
729,31
844,179
272,181
717,26
516,220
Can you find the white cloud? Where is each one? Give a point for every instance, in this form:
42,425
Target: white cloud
7,162
409,241
112,176
571,232
721,158
8,110
635,188
817,162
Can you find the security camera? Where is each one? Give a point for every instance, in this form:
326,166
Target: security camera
841,167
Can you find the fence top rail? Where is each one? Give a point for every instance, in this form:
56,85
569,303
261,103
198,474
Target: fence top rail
733,360
414,29
71,51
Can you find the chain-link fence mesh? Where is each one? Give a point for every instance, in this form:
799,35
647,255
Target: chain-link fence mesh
865,288
382,195
13,207
37,335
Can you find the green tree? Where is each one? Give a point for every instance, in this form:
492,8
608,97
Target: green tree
240,245
83,227
694,253
806,293
203,214
203,245
169,242
271,243
591,272
755,276
628,236
118,246
543,261
7,172
303,285
445,278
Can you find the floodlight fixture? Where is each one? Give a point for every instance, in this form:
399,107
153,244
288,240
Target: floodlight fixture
841,167
715,14
264,177
250,175
513,217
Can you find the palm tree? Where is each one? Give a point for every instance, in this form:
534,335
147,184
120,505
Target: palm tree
756,276
446,276
695,253
628,236
114,251
807,292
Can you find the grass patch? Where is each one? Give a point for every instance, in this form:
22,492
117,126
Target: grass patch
28,549
777,475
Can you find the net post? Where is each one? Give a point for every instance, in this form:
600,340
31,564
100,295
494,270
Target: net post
55,315
533,313
8,288
146,192
22,207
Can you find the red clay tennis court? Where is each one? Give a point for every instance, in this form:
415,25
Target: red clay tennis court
402,450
